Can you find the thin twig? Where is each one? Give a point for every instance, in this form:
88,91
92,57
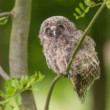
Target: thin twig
50,91
3,74
98,4
5,14
83,37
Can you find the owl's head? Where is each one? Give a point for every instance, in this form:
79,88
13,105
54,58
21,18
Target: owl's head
56,26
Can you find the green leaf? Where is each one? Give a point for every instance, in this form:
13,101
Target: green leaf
28,81
89,2
76,16
37,77
14,87
18,99
82,6
81,11
10,90
87,9
108,4
82,15
3,20
23,80
40,76
28,85
78,11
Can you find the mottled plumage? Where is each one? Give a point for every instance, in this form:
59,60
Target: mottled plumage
59,37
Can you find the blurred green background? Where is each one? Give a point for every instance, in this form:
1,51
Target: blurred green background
63,97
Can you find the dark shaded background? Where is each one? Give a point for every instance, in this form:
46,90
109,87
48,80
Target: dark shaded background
63,98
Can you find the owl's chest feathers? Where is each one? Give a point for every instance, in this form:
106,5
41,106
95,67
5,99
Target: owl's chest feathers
57,54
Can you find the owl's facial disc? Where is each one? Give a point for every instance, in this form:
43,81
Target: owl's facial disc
55,31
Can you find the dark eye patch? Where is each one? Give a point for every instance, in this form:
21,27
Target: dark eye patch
61,27
49,31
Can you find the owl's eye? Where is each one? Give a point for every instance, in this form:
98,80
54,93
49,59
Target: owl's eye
61,27
49,32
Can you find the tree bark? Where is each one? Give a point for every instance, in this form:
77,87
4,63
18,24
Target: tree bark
18,63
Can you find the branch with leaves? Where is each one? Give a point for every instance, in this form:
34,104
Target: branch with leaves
4,17
73,54
85,6
5,14
14,87
18,64
3,74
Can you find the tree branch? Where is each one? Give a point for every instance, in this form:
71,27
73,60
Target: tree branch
18,61
50,91
19,38
83,36
73,55
3,74
5,14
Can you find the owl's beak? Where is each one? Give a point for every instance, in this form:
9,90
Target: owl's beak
54,33
54,28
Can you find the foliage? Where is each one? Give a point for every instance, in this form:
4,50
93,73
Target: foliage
14,87
3,20
108,4
84,7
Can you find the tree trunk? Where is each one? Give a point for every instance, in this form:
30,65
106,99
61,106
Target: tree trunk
21,14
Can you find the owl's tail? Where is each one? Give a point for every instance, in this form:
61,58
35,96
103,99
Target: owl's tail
80,86
82,83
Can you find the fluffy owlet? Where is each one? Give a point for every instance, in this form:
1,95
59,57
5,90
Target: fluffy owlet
59,37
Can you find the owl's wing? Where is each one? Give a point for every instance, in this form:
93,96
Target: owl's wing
85,67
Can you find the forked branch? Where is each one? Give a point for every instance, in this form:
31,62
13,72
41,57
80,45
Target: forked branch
5,14
3,74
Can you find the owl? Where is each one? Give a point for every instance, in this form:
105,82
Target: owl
59,37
